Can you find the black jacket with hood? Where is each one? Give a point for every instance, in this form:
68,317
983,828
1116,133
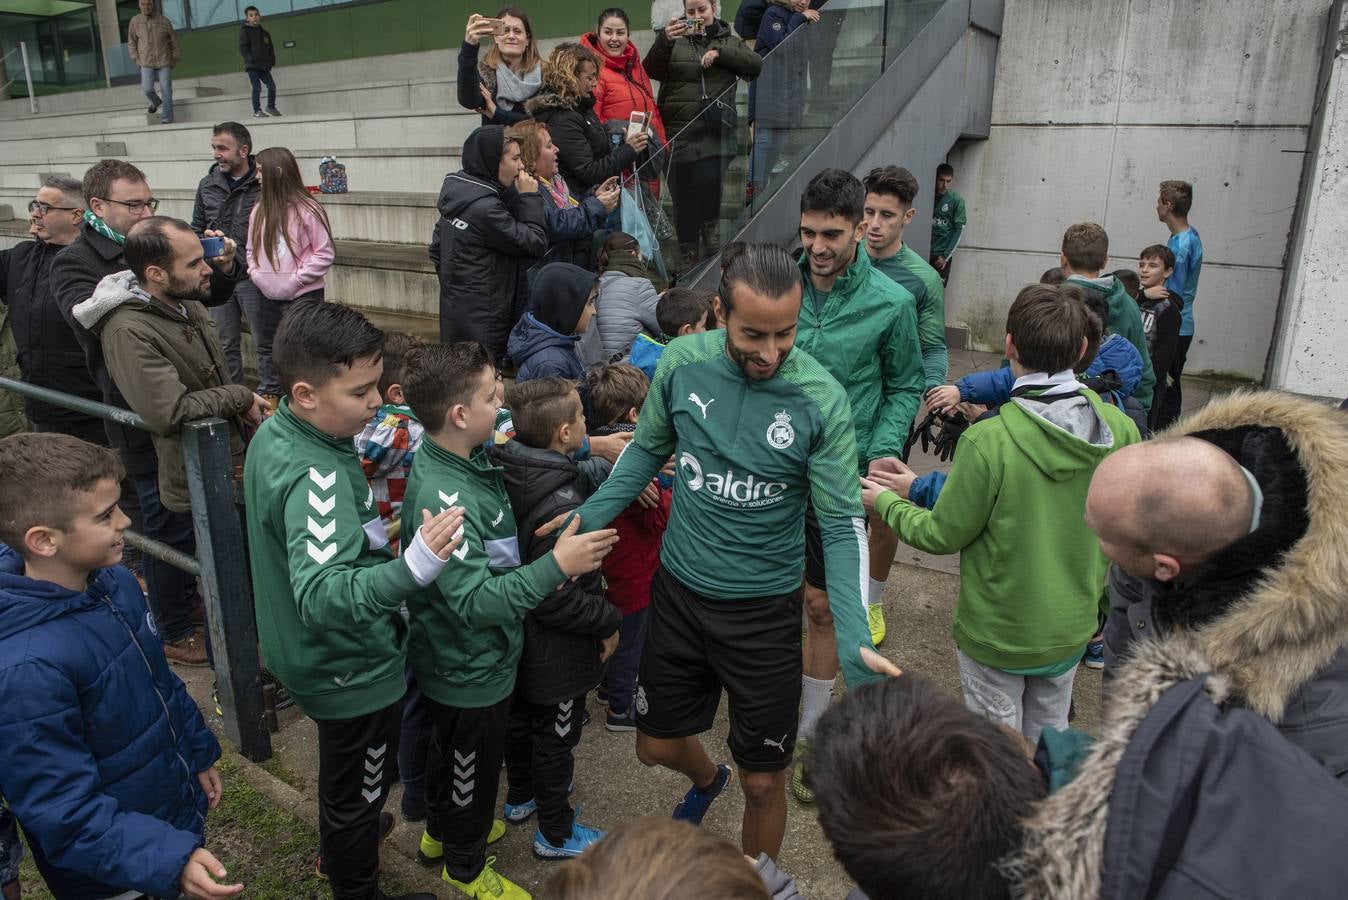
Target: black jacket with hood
585,155
221,206
256,47
1185,795
484,243
562,634
49,354
1270,611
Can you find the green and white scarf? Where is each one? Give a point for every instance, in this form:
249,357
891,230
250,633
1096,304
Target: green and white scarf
102,227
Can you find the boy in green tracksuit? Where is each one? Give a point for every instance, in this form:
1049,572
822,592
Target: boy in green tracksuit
1031,572
328,588
467,627
948,219
862,327
1085,253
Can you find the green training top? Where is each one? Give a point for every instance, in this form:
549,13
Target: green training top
947,223
916,275
750,455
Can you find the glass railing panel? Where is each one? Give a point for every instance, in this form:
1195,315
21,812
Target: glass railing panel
717,173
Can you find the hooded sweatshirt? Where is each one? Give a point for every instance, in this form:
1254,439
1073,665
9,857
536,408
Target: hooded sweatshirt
543,343
1031,572
169,366
1124,319
102,744
487,237
467,630
304,254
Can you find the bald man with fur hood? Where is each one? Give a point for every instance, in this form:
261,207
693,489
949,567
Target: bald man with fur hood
1233,528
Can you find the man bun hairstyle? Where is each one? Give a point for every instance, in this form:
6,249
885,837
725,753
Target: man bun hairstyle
100,176
316,339
42,477
1180,196
1048,323
764,268
147,244
835,192
438,377
1086,247
539,406
919,796
896,181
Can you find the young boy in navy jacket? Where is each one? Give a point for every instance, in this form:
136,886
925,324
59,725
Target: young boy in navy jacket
106,760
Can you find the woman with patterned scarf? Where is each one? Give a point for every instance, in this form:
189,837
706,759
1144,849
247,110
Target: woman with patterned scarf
509,73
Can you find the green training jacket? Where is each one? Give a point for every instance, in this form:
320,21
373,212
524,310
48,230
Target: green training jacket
916,275
467,626
326,588
866,337
750,455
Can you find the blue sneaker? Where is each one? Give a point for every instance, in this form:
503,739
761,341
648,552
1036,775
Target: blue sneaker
515,813
696,802
1095,654
581,837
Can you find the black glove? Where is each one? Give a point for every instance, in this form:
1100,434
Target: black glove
952,427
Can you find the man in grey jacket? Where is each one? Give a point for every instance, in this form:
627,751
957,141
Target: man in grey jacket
1229,528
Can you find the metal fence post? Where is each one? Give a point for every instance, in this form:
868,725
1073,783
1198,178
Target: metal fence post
225,582
28,77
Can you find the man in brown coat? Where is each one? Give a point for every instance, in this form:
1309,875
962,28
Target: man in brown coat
154,49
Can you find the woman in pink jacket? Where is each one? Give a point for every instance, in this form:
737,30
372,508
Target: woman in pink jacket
289,251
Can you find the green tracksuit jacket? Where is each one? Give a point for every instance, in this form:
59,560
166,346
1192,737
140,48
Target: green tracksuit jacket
866,337
750,455
1031,572
467,627
916,275
326,587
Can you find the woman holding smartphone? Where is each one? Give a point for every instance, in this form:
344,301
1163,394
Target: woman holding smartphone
507,75
697,59
566,105
289,252
624,87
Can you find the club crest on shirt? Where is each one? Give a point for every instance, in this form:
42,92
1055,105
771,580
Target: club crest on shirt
780,433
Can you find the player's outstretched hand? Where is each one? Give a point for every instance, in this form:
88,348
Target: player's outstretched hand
878,664
442,533
198,880
578,554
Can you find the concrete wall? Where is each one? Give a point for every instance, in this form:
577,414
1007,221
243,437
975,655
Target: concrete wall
1095,104
1309,355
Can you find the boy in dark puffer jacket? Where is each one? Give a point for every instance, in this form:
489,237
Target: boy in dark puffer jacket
568,637
106,760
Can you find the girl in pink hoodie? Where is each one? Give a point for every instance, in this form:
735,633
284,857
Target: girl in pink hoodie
289,250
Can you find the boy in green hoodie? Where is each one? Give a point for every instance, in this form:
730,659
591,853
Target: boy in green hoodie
329,589
1031,573
467,628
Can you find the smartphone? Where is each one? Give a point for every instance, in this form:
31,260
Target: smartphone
211,247
696,26
637,122
497,25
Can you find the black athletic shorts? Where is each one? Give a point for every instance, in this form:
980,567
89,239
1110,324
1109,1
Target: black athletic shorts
695,646
814,549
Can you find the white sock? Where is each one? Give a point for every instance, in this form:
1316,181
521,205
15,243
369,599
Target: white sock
876,592
816,694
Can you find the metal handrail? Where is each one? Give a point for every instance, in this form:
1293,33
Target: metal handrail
27,74
221,561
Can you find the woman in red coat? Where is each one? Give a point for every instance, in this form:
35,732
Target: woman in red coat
624,86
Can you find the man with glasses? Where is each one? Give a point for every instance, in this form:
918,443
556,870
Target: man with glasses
118,197
48,354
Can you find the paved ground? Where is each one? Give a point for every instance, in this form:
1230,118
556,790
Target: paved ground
612,786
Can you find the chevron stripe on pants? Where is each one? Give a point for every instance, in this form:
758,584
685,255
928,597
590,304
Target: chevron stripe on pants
462,775
539,764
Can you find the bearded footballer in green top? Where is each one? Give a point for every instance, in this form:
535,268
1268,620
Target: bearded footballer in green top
759,430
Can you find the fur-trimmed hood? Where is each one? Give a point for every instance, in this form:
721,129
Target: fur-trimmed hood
1185,794
1271,611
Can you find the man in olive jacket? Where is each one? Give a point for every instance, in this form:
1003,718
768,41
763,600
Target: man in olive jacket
155,51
